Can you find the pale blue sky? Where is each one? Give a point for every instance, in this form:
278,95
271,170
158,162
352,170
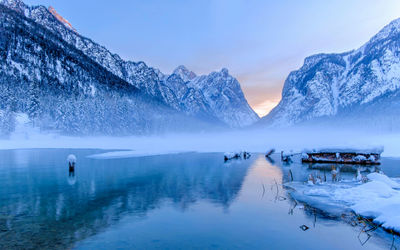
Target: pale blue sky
259,41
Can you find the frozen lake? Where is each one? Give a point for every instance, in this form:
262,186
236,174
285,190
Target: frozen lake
173,201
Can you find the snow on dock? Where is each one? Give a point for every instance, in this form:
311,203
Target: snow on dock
344,156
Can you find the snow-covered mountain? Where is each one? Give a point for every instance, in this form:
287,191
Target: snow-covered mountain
360,84
217,96
61,88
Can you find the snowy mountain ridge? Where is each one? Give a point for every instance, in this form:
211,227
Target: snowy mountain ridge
172,89
330,85
61,89
184,73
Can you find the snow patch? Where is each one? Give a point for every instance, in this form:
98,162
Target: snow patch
378,199
383,178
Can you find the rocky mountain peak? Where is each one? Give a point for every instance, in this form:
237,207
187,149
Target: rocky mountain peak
61,19
184,73
16,5
225,72
392,28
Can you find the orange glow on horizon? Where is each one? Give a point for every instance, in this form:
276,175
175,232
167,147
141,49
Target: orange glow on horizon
263,108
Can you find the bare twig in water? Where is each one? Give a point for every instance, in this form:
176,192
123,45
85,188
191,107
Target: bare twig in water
263,190
277,190
393,246
315,217
290,175
364,242
276,184
292,208
371,228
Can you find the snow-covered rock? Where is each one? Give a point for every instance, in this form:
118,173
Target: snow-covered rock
71,159
362,83
236,155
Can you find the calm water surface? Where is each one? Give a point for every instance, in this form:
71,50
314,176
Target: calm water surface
170,202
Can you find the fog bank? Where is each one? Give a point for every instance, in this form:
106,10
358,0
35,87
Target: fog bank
261,140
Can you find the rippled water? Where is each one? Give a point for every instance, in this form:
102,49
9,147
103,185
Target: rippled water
174,201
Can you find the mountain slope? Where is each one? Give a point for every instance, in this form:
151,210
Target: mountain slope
234,110
343,85
63,89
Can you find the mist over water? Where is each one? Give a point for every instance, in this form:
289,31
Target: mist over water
253,140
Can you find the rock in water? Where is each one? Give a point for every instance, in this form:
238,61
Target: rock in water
237,155
71,159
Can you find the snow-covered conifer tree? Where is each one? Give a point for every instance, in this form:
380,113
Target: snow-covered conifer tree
34,101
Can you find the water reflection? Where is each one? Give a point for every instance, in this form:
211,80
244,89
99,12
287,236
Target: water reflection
71,178
38,208
176,201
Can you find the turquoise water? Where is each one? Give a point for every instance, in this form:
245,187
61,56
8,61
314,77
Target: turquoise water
170,202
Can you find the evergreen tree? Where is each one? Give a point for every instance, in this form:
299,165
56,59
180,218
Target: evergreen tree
34,102
7,122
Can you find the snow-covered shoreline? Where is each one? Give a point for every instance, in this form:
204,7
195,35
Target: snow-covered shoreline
378,199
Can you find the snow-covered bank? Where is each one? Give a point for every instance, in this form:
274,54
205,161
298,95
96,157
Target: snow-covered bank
251,141
378,199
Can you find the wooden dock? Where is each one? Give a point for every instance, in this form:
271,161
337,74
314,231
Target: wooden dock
343,156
